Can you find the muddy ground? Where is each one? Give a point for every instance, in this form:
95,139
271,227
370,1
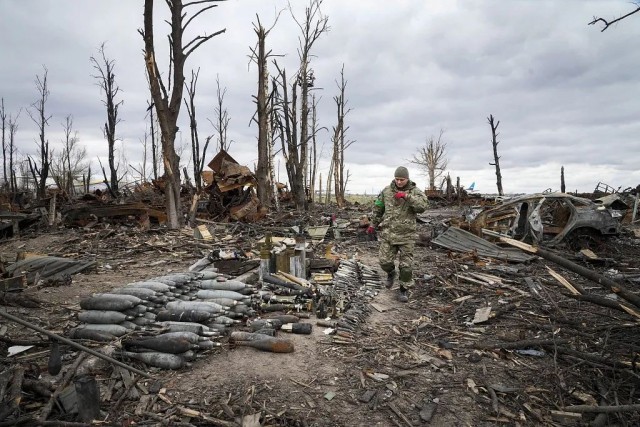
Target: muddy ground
541,351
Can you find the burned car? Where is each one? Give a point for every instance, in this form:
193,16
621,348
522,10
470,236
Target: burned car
549,219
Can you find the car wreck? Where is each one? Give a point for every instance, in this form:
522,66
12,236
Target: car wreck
548,219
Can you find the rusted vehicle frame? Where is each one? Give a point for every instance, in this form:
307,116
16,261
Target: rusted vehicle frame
547,218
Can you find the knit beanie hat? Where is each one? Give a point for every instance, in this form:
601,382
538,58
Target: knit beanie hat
401,172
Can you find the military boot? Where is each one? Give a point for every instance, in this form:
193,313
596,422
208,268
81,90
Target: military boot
403,294
391,277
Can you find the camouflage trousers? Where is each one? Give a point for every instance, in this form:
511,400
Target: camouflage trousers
387,255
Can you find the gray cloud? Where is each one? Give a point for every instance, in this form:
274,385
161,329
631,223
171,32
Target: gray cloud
563,91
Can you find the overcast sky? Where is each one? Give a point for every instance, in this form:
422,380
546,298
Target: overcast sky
564,92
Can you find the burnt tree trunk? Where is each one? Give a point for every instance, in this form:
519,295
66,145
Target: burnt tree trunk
39,117
494,141
168,106
108,85
265,186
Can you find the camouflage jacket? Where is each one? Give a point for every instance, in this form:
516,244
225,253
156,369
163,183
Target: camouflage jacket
395,219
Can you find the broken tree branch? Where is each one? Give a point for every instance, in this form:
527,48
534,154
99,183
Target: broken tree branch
518,344
602,409
611,285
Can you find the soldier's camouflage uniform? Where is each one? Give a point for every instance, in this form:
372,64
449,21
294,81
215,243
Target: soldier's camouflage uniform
395,221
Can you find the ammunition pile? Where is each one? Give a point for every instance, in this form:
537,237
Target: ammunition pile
354,286
165,320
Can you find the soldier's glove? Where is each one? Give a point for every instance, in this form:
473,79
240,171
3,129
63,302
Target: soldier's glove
400,195
371,229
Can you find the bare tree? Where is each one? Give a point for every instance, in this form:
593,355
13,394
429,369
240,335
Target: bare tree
168,105
314,25
37,112
313,149
340,143
494,141
606,23
3,123
221,124
142,167
286,121
71,162
12,151
198,155
154,144
432,158
295,151
259,55
106,80
272,123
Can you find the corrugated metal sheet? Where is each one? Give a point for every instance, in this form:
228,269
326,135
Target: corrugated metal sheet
47,267
458,240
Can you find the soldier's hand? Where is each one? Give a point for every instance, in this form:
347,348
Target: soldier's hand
400,195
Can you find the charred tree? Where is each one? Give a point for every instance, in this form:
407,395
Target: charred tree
40,171
107,82
71,160
259,55
287,122
313,150
562,186
340,143
432,158
12,152
314,25
271,138
295,146
167,104
494,141
3,123
197,154
221,125
154,142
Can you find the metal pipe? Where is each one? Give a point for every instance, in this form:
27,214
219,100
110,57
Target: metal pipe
73,343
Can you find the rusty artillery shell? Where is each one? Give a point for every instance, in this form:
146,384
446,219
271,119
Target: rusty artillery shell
262,342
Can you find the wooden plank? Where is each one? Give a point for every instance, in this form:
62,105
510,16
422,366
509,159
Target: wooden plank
379,308
202,232
127,379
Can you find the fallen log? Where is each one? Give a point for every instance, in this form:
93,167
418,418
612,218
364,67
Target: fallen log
583,409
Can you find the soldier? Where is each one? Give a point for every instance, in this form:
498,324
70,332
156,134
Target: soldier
394,215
